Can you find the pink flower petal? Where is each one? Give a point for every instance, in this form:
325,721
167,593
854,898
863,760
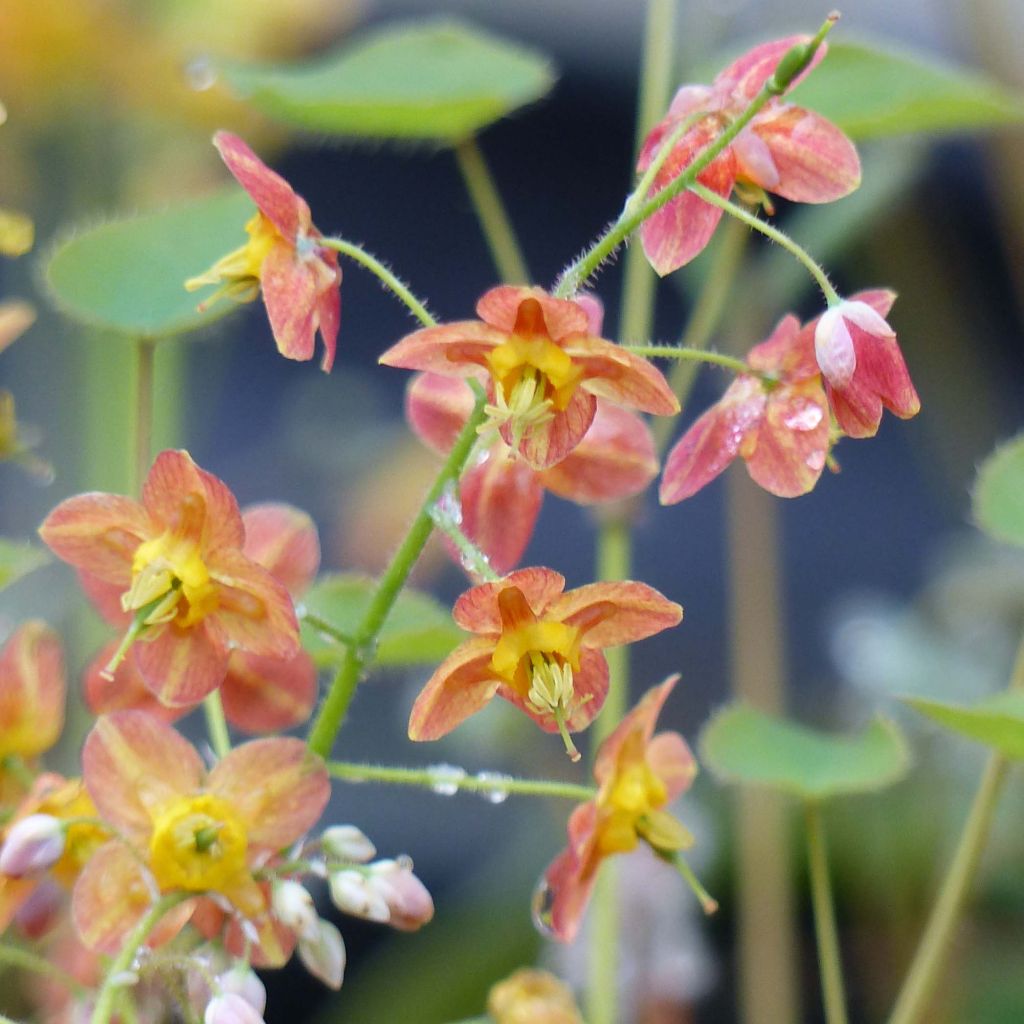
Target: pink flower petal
611,372
437,409
745,77
570,878
328,315
455,350
262,694
788,352
640,721
615,613
283,540
126,691
181,666
545,444
500,308
461,686
672,761
289,288
105,598
476,611
833,347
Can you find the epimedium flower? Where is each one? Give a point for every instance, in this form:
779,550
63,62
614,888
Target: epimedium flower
283,259
176,564
543,367
862,365
638,774
501,494
785,149
532,996
185,830
540,647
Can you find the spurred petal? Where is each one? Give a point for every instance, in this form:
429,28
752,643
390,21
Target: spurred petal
32,690
571,876
816,162
437,409
289,289
476,610
590,689
98,533
273,195
455,350
745,77
463,683
639,722
500,308
283,540
276,786
133,765
713,441
180,496
611,372
545,444
621,612
181,666
263,694
125,691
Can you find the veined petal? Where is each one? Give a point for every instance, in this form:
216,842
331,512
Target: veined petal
98,533
625,612
881,380
788,352
639,722
133,765
476,611
455,350
105,598
687,100
463,684
816,162
32,690
262,694
273,195
672,761
181,666
713,441
620,376
590,690
126,691
289,289
745,77
328,312
283,540
572,874
542,445
437,409
499,307
276,786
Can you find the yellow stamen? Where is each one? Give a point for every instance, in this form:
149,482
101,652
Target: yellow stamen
240,269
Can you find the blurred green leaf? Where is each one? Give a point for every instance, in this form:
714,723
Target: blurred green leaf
129,275
741,744
419,629
997,721
870,91
998,500
439,80
17,560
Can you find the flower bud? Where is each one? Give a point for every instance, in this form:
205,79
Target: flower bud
231,1008
352,893
32,844
243,981
293,906
346,842
324,957
407,898
41,911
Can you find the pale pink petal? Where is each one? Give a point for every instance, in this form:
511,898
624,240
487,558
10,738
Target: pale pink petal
289,288
476,611
543,445
672,761
788,352
639,722
833,347
594,308
437,409
284,541
754,161
181,666
463,684
263,694
687,100
500,308
458,349
615,613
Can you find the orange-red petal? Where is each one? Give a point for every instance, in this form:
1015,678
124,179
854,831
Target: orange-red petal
615,613
181,666
477,609
262,694
125,691
454,350
462,684
283,540
639,722
499,307
610,372
32,690
571,876
544,444
289,288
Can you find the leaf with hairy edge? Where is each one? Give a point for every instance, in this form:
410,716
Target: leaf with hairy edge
440,80
998,499
17,560
997,721
741,744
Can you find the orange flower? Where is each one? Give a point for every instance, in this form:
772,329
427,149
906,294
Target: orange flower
539,648
544,369
175,563
283,258
638,774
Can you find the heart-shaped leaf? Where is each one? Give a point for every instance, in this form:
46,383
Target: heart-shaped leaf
998,500
997,721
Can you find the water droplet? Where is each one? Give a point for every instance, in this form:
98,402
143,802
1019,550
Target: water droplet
445,778
540,908
815,461
497,786
805,416
200,74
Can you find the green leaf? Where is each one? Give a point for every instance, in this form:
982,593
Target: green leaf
870,91
129,275
741,744
997,721
17,560
998,500
439,80
418,629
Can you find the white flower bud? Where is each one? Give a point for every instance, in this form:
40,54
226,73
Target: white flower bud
293,906
409,903
346,842
352,893
32,844
324,957
231,1008
244,982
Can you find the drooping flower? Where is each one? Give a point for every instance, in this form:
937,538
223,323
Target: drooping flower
638,774
774,418
175,563
501,494
785,149
543,368
283,259
539,647
862,364
189,830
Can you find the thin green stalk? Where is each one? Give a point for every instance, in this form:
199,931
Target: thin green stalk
26,960
447,517
490,211
361,652
429,778
142,422
632,216
122,963
216,724
693,355
326,628
932,954
387,278
778,237
829,961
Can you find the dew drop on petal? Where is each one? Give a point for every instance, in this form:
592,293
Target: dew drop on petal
200,74
497,786
541,907
445,778
805,416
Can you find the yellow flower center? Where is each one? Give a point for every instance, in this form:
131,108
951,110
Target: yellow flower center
634,795
538,658
199,843
239,271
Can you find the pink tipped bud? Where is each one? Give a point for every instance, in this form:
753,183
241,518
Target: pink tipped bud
408,900
352,893
293,906
244,982
324,957
346,842
32,844
833,347
231,1008
41,911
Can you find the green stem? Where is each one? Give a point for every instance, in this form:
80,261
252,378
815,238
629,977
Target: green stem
14,765
697,355
326,628
829,961
490,211
360,654
122,963
25,960
446,517
933,950
777,236
142,423
429,778
216,724
793,62
388,279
